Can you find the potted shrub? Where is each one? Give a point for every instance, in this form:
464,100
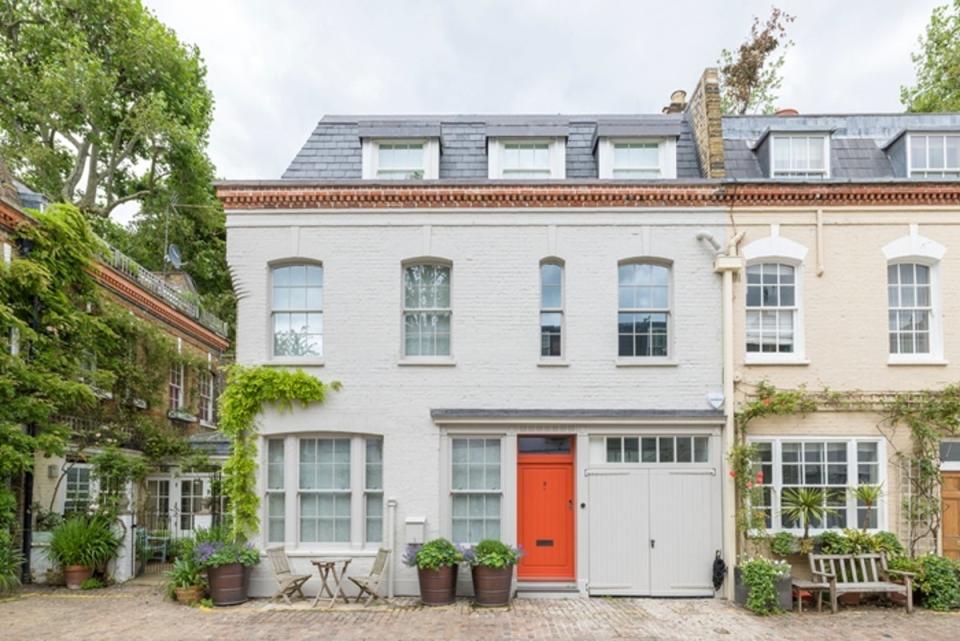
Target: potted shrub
436,562
228,569
82,544
763,585
186,580
491,566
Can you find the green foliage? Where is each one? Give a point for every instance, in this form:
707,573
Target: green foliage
747,479
869,496
93,583
433,555
45,520
186,573
493,554
939,581
853,541
114,469
248,390
760,575
804,505
767,400
83,540
784,544
938,64
10,561
930,415
750,77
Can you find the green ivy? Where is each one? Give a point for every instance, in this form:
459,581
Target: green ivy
248,390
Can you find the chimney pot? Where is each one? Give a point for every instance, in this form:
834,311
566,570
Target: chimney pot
678,102
787,111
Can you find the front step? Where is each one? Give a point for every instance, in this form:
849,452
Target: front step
547,590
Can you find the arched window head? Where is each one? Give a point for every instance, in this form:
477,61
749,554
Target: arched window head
297,310
644,309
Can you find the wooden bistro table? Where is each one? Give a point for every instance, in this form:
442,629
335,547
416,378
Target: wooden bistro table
327,569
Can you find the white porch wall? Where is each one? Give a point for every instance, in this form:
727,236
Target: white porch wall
495,331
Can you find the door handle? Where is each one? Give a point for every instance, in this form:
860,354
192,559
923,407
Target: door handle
653,543
570,504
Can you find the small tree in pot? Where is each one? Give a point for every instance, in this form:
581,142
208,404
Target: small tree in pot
81,545
492,565
437,562
186,580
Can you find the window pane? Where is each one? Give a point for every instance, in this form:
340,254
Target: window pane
631,449
701,449
275,464
918,152
684,449
374,518
649,450
614,450
935,152
666,449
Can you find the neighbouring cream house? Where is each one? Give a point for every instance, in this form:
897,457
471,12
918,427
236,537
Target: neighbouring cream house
848,289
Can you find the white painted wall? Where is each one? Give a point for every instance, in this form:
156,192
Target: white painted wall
495,299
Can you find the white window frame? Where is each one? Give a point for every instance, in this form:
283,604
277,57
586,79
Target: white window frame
176,380
93,487
947,173
441,359
291,493
950,466
556,148
312,359
914,248
271,491
852,475
670,356
800,174
448,513
553,310
799,351
370,152
599,449
667,151
207,397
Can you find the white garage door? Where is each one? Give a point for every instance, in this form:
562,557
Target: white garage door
653,531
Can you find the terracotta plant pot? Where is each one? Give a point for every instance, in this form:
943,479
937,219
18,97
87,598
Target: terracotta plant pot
492,586
190,595
228,584
438,587
74,575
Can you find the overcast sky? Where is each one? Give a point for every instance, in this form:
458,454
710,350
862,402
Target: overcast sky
276,66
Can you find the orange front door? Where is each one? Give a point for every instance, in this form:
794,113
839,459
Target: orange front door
950,492
545,508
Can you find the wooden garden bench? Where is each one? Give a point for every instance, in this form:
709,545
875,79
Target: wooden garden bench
855,574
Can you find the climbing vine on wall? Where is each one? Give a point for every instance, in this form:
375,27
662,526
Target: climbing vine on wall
248,390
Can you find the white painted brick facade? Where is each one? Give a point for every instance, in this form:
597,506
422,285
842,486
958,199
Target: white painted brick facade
495,298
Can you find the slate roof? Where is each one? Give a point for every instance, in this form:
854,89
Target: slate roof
333,150
859,143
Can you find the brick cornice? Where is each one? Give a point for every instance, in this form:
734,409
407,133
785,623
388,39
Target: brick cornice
246,196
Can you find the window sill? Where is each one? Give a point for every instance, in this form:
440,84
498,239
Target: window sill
928,361
553,363
646,362
294,362
427,362
759,359
323,552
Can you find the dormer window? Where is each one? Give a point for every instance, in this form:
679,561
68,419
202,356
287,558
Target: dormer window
637,159
800,156
934,156
401,159
519,159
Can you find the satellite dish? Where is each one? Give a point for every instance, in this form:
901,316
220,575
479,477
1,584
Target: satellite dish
173,256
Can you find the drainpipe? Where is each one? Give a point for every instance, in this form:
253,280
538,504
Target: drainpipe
727,265
391,544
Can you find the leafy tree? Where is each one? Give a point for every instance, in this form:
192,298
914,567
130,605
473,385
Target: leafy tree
750,76
103,105
938,64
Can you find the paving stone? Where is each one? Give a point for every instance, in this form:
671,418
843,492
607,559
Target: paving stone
141,613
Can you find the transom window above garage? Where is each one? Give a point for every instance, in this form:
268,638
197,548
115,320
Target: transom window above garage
655,449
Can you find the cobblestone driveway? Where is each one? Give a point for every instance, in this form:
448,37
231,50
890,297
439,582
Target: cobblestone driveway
137,613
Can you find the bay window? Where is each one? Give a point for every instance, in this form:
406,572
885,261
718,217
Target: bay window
833,466
323,491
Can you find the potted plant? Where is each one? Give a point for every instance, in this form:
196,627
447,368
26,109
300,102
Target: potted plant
82,544
868,496
228,569
186,580
491,565
805,505
436,562
763,585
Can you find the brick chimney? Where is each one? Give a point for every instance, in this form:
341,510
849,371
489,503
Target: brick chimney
705,116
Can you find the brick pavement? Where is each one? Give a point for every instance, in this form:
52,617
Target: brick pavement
139,613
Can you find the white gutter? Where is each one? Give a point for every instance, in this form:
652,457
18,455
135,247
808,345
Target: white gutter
727,265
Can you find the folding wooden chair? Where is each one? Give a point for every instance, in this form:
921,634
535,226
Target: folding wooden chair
371,583
287,582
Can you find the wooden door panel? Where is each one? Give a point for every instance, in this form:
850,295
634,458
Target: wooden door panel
951,514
